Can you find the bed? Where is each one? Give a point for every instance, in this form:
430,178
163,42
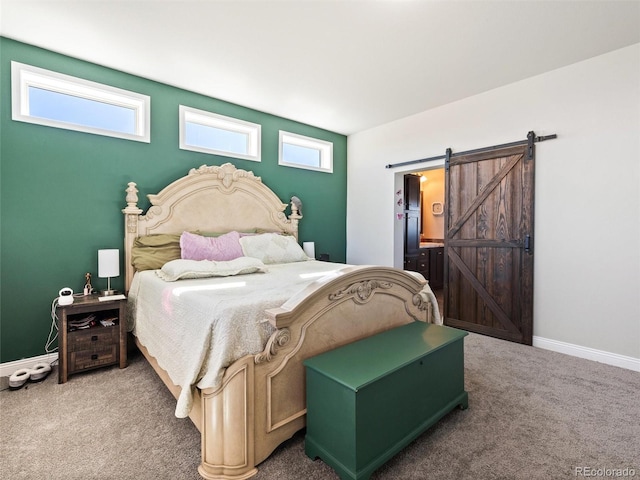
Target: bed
245,407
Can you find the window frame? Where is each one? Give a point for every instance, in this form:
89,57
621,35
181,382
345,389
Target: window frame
325,148
221,122
24,76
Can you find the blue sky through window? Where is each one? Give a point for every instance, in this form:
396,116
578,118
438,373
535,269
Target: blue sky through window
295,154
81,111
204,136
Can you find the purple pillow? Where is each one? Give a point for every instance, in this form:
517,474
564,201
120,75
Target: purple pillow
221,249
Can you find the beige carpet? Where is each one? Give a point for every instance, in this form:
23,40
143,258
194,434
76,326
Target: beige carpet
533,414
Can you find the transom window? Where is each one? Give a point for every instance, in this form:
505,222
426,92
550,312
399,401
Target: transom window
53,99
305,152
208,132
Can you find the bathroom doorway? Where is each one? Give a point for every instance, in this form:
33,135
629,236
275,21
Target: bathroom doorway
423,219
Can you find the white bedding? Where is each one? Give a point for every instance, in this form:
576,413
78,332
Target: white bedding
196,328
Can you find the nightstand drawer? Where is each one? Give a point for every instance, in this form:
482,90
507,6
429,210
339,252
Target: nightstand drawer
93,339
93,358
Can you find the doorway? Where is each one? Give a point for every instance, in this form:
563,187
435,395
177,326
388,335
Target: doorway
423,220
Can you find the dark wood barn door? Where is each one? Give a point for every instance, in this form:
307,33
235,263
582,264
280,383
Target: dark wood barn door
489,201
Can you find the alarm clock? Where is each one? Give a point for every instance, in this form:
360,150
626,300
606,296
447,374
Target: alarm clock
65,296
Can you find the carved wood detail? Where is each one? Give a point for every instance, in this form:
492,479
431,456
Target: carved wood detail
361,291
278,339
226,173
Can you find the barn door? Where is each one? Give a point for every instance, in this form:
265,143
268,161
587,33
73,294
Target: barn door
489,202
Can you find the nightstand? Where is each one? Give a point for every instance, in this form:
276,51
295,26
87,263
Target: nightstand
92,334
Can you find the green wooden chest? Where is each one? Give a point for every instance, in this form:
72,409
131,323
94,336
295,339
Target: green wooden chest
369,399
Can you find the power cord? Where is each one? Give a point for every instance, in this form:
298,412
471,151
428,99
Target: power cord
54,328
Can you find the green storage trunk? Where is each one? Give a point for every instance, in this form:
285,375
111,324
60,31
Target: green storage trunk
369,399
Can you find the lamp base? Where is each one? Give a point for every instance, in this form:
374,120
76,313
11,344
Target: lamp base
107,293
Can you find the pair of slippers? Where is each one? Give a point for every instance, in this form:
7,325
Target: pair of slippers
39,372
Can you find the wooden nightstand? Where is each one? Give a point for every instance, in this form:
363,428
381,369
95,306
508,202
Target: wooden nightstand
96,346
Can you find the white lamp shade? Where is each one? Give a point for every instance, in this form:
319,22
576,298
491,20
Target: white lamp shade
109,263
309,249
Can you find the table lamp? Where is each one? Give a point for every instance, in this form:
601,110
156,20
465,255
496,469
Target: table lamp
108,266
309,249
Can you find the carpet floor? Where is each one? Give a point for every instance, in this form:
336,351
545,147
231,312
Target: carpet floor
533,414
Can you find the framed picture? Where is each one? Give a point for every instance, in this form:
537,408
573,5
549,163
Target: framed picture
437,208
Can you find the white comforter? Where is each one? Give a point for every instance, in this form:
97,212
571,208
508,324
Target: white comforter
196,328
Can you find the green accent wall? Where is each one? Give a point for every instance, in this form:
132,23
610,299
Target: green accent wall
61,192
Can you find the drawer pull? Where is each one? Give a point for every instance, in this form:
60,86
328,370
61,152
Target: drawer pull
94,356
94,338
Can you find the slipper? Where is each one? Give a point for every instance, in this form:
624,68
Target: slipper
39,372
19,378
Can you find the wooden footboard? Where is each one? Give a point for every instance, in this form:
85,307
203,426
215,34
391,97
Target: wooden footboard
261,402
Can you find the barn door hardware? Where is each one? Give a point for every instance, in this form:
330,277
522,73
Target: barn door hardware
527,244
531,146
530,141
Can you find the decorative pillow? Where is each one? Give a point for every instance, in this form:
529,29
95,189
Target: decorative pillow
151,252
273,248
223,248
183,269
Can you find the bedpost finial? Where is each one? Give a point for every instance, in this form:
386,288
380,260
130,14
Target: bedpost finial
296,208
132,195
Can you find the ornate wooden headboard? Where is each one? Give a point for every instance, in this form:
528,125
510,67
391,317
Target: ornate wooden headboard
207,199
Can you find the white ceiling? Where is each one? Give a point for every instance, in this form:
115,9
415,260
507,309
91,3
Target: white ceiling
341,65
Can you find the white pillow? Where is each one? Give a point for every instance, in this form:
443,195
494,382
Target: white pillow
273,248
182,269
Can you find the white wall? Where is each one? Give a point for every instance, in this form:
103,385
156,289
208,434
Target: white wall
587,213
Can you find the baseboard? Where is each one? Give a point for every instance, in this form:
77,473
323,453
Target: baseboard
622,361
8,368
601,356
